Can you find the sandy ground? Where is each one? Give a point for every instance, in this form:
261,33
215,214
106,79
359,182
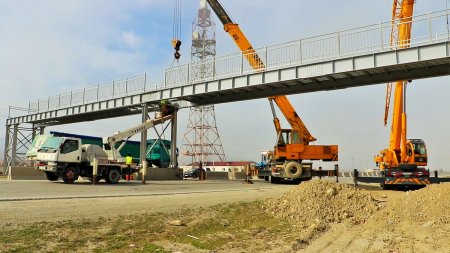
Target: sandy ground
392,229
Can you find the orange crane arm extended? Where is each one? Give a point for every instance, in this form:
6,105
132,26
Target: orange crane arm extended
402,11
255,61
292,117
402,17
238,36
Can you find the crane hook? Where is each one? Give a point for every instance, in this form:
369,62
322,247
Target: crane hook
176,45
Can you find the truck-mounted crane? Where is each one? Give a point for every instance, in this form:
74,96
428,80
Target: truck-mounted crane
292,146
402,163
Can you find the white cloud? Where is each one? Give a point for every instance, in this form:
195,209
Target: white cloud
131,39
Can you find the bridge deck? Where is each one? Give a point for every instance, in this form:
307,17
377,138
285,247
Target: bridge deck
345,59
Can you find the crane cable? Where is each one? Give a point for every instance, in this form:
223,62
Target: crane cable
176,43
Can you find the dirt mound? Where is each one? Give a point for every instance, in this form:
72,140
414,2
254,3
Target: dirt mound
317,203
426,206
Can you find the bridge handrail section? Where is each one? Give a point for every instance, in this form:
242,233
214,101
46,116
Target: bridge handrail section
117,88
427,29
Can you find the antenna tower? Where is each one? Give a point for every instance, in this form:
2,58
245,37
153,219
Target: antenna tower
201,140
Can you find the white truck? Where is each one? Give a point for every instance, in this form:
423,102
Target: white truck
67,158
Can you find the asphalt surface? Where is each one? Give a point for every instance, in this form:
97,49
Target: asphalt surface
34,201
21,190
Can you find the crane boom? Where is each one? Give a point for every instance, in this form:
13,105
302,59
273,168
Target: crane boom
397,153
292,146
109,142
238,36
257,64
401,164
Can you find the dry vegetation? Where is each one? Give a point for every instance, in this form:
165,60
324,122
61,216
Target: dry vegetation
316,216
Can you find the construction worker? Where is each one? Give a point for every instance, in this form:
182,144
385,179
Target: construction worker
128,162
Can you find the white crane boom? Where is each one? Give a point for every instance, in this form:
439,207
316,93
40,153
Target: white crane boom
109,143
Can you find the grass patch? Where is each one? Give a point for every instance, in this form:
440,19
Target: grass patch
220,227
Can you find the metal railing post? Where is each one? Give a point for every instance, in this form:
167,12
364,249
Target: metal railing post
242,63
300,51
84,94
381,36
48,104
98,91
145,80
126,86
113,89
429,26
448,25
70,98
165,79
188,74
214,68
59,100
266,63
339,43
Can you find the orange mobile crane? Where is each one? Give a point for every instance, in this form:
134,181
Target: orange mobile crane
292,146
402,163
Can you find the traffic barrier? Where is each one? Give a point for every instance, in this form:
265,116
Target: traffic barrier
25,173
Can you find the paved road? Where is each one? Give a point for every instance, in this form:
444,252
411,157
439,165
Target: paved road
29,201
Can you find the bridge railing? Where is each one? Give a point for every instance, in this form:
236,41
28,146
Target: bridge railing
426,29
101,92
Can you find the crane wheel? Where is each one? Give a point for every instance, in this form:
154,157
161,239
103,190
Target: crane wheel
293,170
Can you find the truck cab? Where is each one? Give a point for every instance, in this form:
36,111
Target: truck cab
58,150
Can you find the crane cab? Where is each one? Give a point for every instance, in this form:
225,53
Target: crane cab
417,150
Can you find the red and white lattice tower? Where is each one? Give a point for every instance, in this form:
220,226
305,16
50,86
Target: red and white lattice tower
201,141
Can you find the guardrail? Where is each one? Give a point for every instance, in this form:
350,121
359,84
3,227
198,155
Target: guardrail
117,88
426,29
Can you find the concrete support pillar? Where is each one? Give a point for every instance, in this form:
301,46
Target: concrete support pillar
144,133
144,171
143,152
95,171
173,143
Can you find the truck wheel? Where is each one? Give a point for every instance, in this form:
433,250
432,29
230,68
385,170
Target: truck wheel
51,176
70,175
293,170
113,176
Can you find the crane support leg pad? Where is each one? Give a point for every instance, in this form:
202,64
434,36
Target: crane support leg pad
437,180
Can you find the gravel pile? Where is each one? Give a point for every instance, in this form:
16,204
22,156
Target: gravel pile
317,203
427,206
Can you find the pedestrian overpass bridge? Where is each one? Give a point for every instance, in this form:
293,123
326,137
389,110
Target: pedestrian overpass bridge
344,59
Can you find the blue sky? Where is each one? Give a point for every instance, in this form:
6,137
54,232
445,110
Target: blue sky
49,47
